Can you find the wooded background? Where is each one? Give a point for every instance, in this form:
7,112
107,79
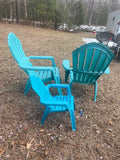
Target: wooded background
55,12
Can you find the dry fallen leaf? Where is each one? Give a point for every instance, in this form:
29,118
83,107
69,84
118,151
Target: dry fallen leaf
42,130
29,144
111,123
46,152
12,143
26,128
1,151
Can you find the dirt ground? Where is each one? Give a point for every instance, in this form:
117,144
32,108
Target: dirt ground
22,137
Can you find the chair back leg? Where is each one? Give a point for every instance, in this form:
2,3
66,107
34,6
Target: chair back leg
28,86
46,112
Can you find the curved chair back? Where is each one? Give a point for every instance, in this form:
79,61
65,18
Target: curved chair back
41,90
90,61
17,50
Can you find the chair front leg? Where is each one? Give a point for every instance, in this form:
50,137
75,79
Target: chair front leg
72,116
66,75
95,91
46,112
71,83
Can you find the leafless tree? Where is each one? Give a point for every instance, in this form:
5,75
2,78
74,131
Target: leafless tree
98,9
25,6
17,17
91,10
11,9
113,5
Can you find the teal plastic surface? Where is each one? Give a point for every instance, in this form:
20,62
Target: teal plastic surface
90,61
46,73
58,103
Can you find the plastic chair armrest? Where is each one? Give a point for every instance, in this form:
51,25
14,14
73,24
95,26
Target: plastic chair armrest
66,86
66,65
44,57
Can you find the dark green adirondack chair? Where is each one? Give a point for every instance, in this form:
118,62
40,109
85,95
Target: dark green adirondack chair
45,73
90,61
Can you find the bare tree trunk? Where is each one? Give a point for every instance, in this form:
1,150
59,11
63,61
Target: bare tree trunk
11,10
6,7
25,5
99,6
0,11
91,12
86,14
17,17
113,4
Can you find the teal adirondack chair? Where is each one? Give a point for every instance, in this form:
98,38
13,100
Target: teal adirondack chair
46,73
57,103
90,61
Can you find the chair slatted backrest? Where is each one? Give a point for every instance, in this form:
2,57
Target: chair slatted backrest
41,90
17,50
90,61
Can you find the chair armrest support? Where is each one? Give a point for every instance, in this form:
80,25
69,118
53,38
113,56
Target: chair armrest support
44,57
107,71
66,86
